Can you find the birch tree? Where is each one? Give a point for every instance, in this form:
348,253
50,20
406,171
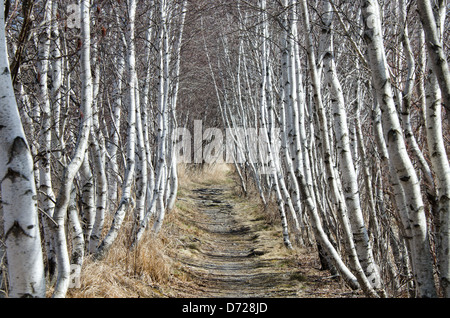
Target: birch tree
398,156
437,57
70,171
46,194
359,171
328,159
126,199
349,177
18,189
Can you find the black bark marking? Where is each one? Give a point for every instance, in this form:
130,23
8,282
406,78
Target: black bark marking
18,146
327,55
392,135
13,175
405,178
16,230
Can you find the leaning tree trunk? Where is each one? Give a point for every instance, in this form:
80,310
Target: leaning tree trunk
398,156
126,199
46,195
349,177
72,168
18,189
436,53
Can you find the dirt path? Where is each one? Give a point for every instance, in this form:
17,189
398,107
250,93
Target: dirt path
228,250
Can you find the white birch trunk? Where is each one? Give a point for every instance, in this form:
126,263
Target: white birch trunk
174,176
272,165
20,213
406,102
46,194
113,146
78,241
87,198
141,166
328,159
98,148
349,177
398,156
57,82
162,169
72,168
126,199
436,53
440,167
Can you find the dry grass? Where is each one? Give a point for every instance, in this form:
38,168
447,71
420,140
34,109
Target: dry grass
208,174
147,271
127,273
151,270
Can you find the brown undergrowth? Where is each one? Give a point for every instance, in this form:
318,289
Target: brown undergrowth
178,262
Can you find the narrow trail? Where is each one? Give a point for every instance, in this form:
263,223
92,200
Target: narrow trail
229,250
230,262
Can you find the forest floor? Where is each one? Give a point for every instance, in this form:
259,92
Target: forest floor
228,247
216,243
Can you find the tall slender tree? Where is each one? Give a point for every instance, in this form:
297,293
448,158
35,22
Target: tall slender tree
18,189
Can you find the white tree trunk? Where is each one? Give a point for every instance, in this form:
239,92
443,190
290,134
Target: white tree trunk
436,53
114,137
174,163
161,167
398,155
78,241
439,164
349,177
87,198
98,147
21,225
141,167
274,170
72,168
328,159
46,194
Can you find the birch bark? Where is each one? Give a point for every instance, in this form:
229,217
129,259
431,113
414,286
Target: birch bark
431,103
273,169
72,168
46,194
437,56
328,158
349,177
126,199
19,204
161,167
